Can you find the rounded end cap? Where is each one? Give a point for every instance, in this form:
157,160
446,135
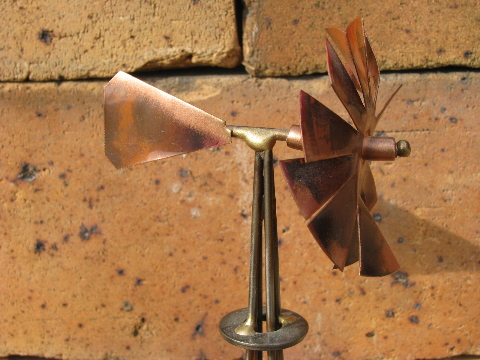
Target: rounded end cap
403,148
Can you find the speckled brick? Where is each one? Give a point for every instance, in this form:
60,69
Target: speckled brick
283,37
141,263
57,39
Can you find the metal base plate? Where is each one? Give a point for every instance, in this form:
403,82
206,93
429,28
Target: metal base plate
288,335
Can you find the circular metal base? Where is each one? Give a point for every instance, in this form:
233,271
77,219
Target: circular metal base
291,332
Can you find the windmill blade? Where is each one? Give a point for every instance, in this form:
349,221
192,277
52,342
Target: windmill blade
314,184
339,37
376,257
354,250
373,72
336,201
143,123
367,188
356,41
345,89
368,194
324,134
333,226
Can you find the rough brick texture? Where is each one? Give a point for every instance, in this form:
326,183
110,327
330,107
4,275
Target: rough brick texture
142,263
283,37
57,39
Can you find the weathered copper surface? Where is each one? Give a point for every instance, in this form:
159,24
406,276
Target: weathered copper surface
333,185
345,89
334,224
379,148
324,134
376,257
294,138
143,123
314,184
366,185
356,49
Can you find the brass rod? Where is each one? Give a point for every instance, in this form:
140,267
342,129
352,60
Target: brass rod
253,355
255,288
272,285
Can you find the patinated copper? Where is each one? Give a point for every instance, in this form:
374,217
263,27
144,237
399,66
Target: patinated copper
143,123
379,148
325,135
294,138
333,184
314,184
376,257
345,89
366,184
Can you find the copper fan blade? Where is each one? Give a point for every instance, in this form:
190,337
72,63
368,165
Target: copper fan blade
345,89
373,72
356,41
368,195
143,123
313,184
333,226
361,56
339,37
367,189
353,253
336,201
324,134
376,257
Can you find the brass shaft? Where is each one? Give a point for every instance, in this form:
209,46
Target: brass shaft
255,289
272,283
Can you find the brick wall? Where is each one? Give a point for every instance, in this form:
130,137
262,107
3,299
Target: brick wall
141,263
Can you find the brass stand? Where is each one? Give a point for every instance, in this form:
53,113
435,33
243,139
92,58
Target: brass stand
243,327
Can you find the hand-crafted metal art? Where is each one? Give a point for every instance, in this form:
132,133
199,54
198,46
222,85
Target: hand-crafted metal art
143,123
332,183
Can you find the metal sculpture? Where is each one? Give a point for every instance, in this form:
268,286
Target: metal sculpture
332,183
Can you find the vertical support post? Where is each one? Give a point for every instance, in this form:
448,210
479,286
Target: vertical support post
244,327
263,218
255,317
272,281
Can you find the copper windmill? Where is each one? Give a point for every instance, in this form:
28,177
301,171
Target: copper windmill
332,183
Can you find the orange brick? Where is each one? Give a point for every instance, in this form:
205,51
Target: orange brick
56,39
142,263
287,38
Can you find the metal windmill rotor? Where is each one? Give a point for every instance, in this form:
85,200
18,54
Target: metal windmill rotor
333,184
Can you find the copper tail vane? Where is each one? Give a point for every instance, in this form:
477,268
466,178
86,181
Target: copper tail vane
331,183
